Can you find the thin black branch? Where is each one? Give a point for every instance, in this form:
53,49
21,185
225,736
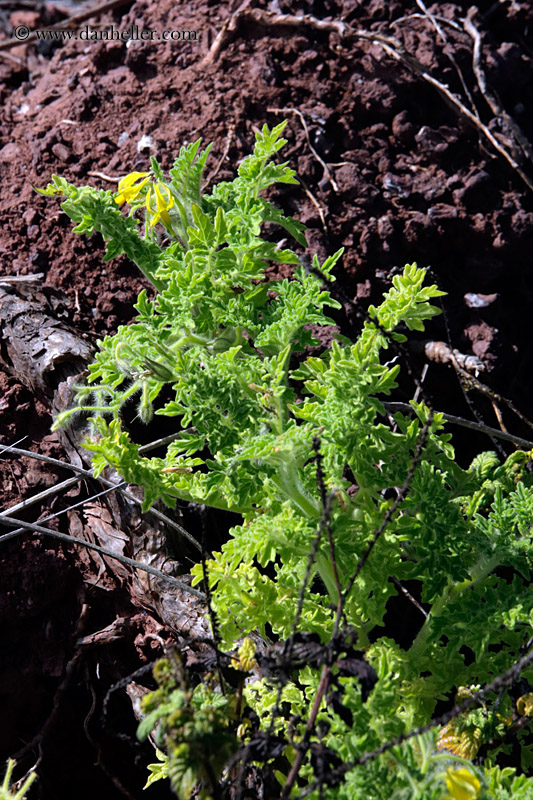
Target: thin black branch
504,680
130,562
466,423
323,496
210,609
89,474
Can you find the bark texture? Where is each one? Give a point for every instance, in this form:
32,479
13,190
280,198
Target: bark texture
49,357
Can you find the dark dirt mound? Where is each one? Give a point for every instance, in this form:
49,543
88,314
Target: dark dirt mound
410,132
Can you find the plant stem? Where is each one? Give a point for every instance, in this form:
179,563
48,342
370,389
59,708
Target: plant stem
288,482
452,591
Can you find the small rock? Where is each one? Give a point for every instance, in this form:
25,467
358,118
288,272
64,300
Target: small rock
478,191
431,140
509,66
137,54
385,227
384,164
417,228
61,151
402,127
348,180
442,211
522,223
104,148
308,168
145,143
397,185
9,152
108,55
28,18
453,182
482,337
30,216
474,300
40,259
363,290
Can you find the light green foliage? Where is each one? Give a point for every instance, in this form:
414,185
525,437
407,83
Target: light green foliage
158,770
6,789
229,346
503,784
192,726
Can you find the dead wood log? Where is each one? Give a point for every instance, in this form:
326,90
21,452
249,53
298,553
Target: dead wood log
36,347
48,356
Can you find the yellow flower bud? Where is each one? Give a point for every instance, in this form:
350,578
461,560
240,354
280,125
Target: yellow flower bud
164,201
246,660
461,784
524,705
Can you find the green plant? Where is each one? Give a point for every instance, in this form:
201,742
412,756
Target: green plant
6,789
192,727
302,448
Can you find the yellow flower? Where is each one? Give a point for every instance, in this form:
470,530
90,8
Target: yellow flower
164,201
524,705
461,784
128,189
246,660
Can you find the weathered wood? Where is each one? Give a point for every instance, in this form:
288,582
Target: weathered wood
48,356
35,346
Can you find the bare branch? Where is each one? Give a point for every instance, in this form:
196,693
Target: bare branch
88,474
392,46
522,144
130,562
327,172
466,423
436,24
508,678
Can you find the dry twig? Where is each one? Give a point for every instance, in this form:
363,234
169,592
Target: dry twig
103,177
128,495
33,278
521,145
391,46
316,204
466,423
212,175
320,160
442,353
225,34
130,562
470,380
436,24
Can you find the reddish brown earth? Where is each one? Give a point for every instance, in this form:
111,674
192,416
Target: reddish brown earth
390,172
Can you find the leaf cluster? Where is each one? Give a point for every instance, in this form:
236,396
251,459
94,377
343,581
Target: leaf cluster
192,727
302,448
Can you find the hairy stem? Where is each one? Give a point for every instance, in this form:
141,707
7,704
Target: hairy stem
477,574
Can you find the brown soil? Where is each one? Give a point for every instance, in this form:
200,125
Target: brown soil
390,172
